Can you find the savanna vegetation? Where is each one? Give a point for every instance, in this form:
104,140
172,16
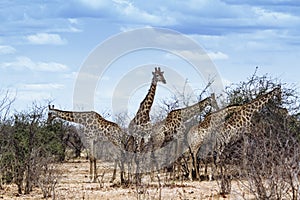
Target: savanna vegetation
265,159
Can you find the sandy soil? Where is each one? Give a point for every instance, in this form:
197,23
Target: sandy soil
73,183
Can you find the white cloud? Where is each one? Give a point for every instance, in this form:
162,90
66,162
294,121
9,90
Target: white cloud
95,4
25,62
226,82
41,86
7,50
105,78
73,21
274,18
125,28
32,96
217,55
46,38
193,55
72,75
128,11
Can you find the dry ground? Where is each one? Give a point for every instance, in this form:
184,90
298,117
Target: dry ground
74,184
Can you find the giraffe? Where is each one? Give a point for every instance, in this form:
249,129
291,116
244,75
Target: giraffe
140,125
95,128
237,120
173,124
173,127
198,133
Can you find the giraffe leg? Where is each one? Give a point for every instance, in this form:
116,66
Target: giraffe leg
190,168
130,163
129,170
122,171
95,170
196,168
91,169
193,166
114,172
138,173
154,166
211,175
214,168
209,169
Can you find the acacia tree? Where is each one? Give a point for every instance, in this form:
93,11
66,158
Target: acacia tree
26,140
6,100
267,155
72,139
6,156
270,162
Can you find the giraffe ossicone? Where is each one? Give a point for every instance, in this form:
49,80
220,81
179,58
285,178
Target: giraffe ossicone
95,127
140,126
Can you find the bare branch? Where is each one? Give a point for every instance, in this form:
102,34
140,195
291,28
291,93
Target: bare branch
6,101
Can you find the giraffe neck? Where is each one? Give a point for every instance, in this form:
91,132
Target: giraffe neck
95,125
190,111
84,118
65,115
240,121
215,118
257,104
143,114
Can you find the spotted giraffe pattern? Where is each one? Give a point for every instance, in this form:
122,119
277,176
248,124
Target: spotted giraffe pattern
141,121
174,123
236,120
170,132
95,128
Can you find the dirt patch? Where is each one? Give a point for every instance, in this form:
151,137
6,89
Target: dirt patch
74,184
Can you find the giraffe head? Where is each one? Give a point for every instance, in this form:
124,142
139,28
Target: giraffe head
51,114
277,92
213,101
55,113
158,76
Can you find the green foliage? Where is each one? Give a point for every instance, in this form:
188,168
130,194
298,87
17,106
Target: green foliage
246,91
25,140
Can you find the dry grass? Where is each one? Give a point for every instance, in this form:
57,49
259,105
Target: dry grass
74,184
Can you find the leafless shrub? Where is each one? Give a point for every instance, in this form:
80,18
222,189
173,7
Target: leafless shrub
6,100
271,159
100,179
6,171
266,156
48,176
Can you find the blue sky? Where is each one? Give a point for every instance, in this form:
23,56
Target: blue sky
43,44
